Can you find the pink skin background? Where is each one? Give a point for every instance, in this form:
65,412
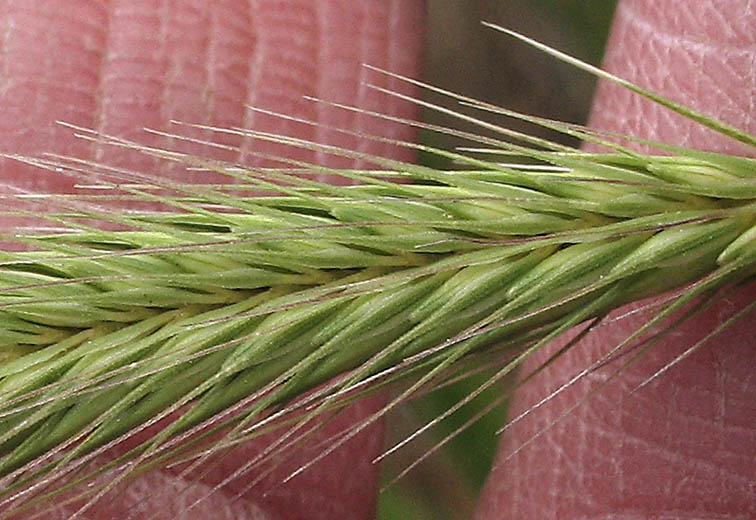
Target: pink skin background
683,447
120,66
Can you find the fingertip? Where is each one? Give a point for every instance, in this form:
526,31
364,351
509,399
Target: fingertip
678,446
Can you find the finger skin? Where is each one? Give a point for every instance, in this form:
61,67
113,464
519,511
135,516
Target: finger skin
683,446
123,65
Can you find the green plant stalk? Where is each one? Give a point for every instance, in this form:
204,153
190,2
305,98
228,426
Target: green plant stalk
431,281
258,300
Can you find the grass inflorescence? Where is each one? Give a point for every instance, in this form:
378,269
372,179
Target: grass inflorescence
221,311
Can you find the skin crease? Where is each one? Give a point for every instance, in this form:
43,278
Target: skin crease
119,66
682,447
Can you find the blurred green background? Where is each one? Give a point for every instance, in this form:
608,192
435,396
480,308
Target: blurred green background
465,57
